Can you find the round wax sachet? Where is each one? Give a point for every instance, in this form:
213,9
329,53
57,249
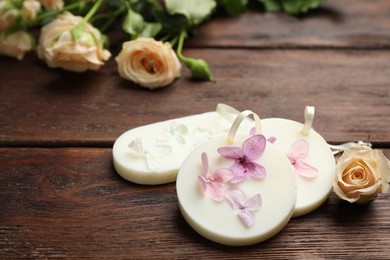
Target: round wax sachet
237,194
310,155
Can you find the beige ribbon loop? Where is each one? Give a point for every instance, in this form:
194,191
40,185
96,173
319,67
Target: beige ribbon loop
309,117
228,112
237,122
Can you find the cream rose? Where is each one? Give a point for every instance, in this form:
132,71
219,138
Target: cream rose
361,173
53,4
8,15
60,49
16,44
148,62
30,9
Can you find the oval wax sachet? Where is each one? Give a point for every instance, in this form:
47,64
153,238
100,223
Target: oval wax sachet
152,154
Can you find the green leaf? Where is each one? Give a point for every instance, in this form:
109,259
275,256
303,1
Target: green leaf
271,5
196,11
300,6
293,7
135,25
233,7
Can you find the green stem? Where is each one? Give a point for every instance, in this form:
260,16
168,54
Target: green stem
112,19
93,10
180,44
174,41
166,37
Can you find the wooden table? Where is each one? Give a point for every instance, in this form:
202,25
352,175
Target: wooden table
61,197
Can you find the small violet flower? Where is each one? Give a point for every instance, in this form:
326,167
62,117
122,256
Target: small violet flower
237,200
297,153
212,184
244,164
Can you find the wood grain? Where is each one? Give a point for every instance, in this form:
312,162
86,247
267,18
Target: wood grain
350,90
352,24
69,202
60,196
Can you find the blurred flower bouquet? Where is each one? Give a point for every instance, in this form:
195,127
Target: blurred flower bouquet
72,33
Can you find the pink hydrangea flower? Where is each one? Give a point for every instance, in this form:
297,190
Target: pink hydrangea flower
244,158
212,185
297,153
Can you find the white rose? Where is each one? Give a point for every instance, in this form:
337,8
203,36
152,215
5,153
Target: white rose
361,173
30,9
148,62
53,4
59,48
16,44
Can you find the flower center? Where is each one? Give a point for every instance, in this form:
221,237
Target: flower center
242,159
148,66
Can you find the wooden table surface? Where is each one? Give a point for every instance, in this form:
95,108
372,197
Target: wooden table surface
61,197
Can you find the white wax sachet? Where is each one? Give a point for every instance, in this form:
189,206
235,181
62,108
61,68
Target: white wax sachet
152,154
237,192
311,156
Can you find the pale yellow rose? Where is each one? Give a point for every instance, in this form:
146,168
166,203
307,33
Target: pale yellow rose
16,44
361,173
8,15
148,62
59,48
53,4
30,9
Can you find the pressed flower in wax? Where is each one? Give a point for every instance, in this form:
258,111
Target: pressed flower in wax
244,164
297,153
211,184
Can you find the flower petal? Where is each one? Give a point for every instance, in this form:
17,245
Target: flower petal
246,217
256,170
181,129
254,203
298,151
272,139
239,172
253,147
223,175
230,152
205,164
202,183
235,198
216,191
305,169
